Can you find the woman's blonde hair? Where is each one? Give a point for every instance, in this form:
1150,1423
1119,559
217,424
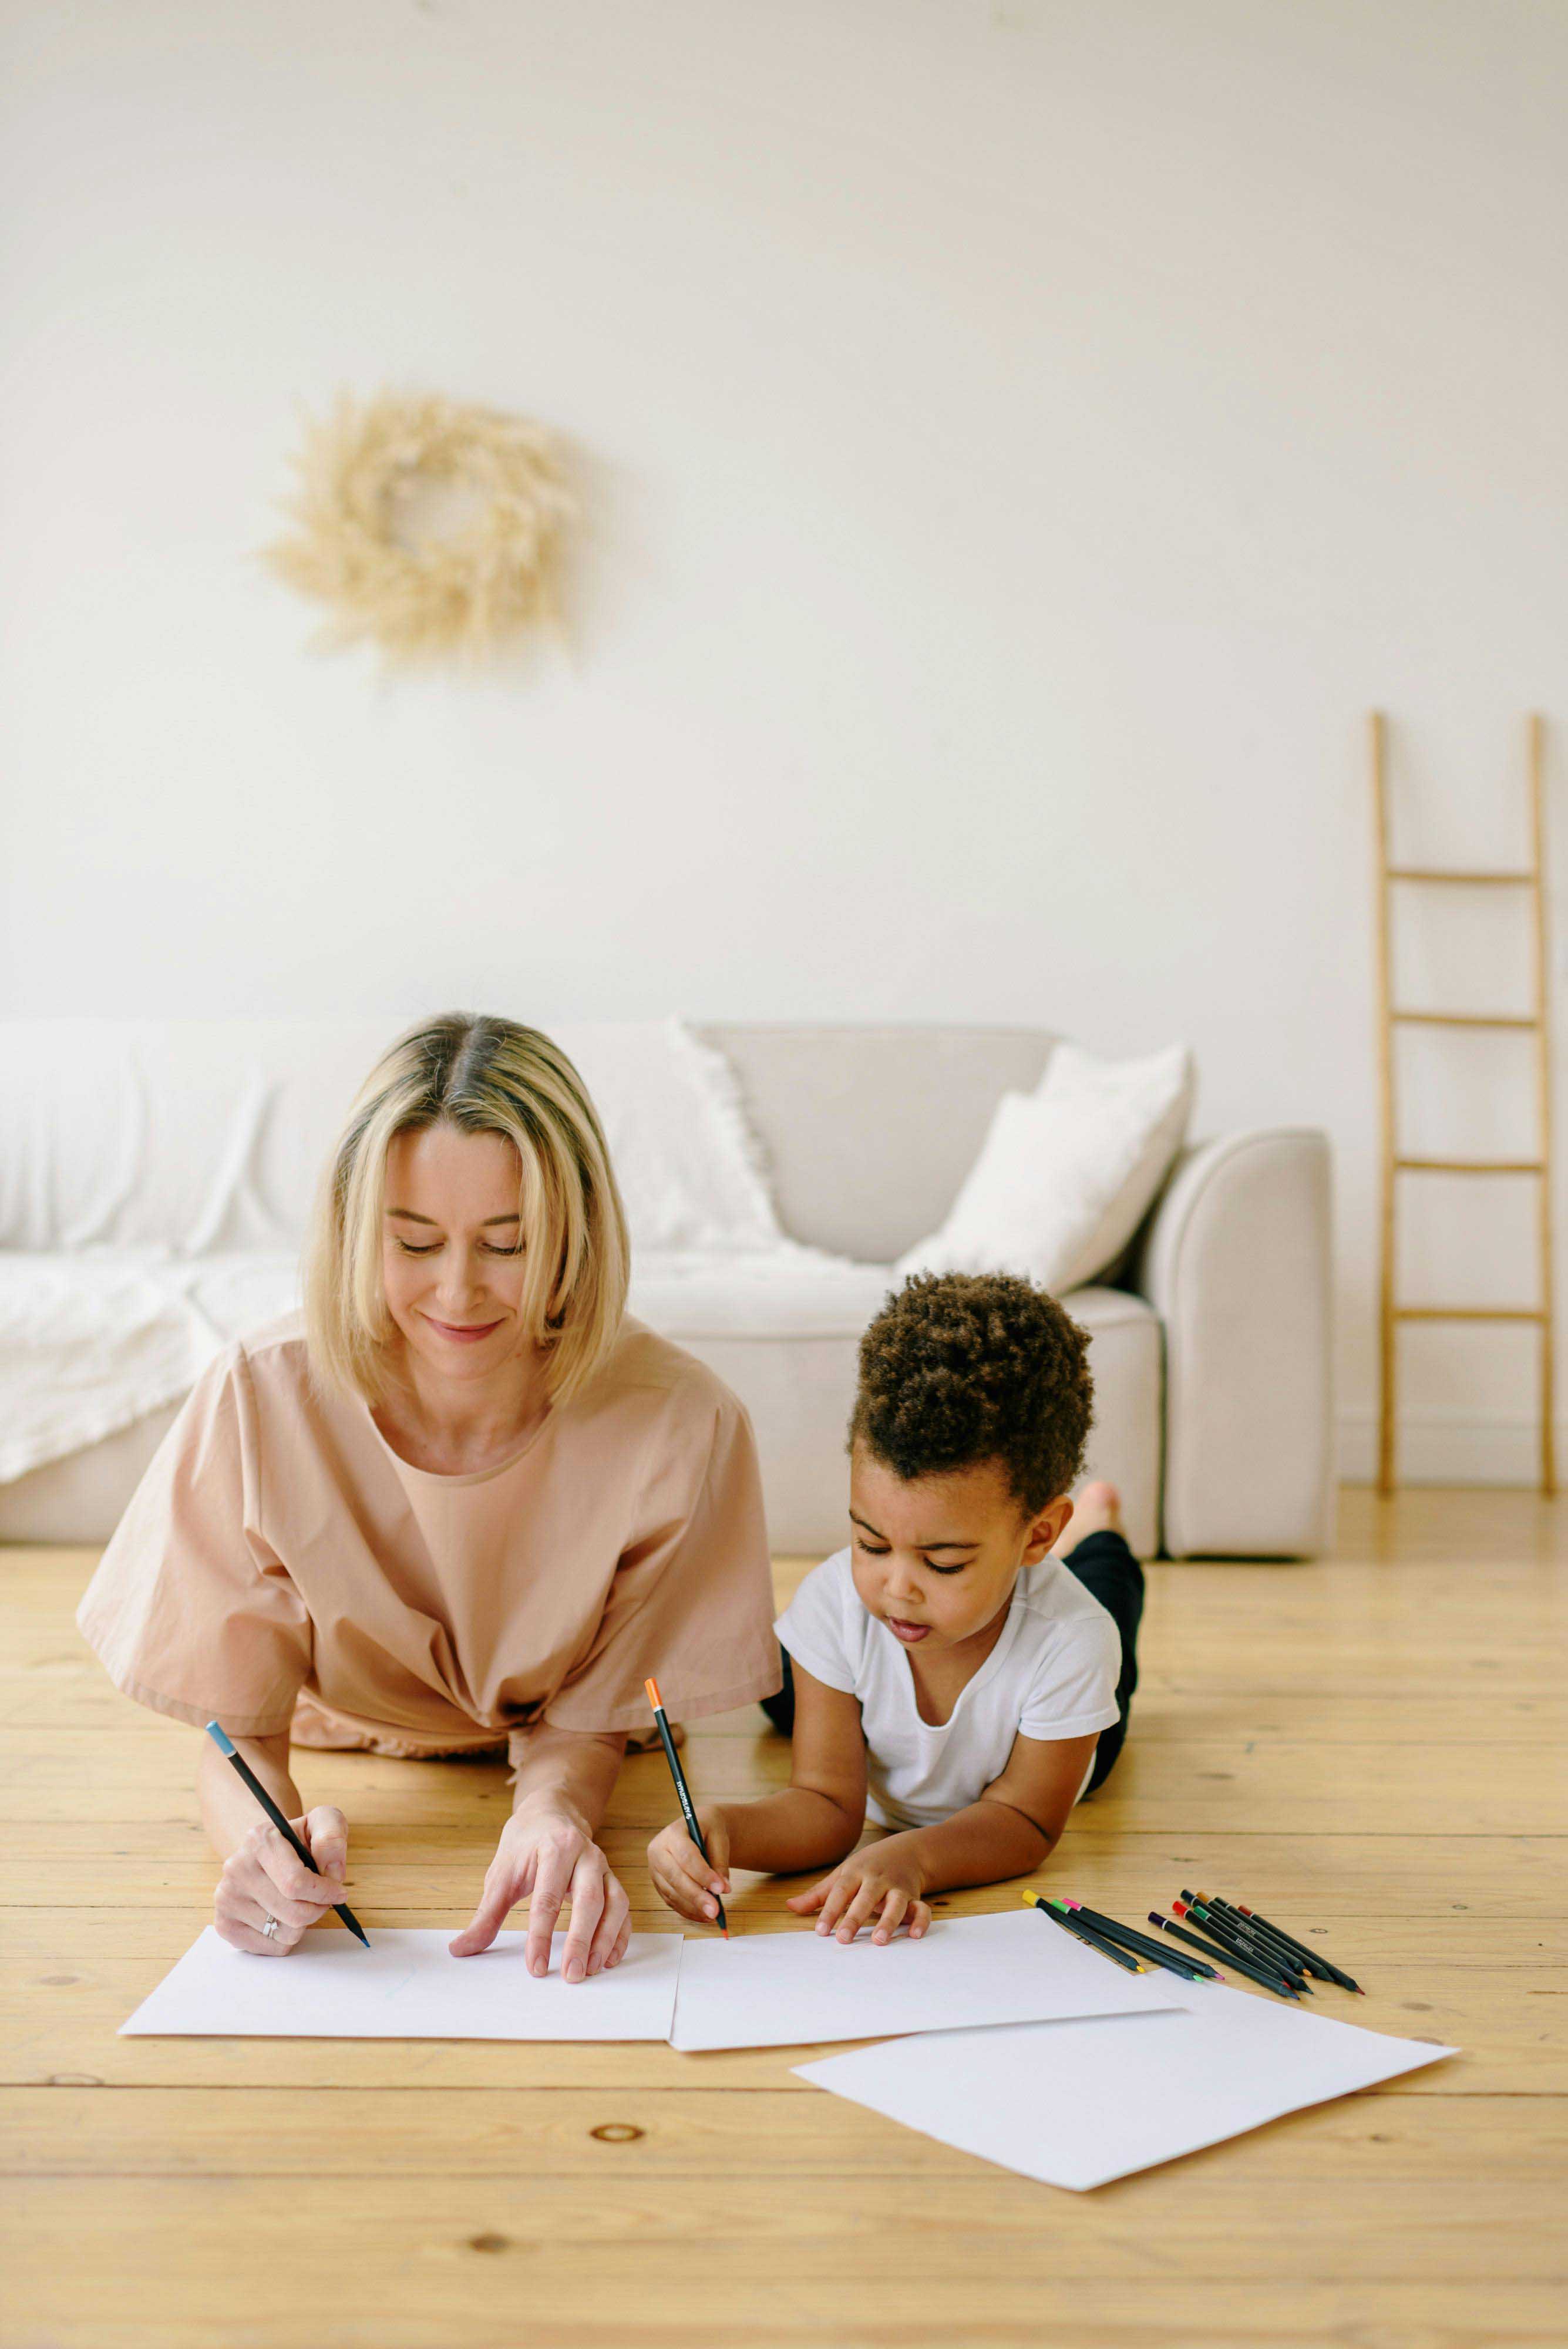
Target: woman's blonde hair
483,1076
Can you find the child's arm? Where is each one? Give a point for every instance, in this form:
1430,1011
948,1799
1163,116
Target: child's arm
811,1823
1008,1832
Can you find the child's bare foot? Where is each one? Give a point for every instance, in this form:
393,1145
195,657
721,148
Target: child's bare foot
1096,1510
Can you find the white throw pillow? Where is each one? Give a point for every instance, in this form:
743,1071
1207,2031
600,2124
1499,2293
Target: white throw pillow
689,1170
1067,1174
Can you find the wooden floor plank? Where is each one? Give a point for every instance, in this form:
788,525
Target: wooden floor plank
457,2260
1277,1786
785,2131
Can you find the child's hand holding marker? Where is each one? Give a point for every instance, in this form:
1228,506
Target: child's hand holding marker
691,1885
688,1808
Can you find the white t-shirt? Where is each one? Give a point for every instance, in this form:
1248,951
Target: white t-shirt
1052,1673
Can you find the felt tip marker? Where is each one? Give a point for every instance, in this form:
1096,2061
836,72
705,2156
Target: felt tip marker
1058,1916
682,1791
1219,1932
1276,1982
1302,1961
1296,1942
1243,1943
1143,1946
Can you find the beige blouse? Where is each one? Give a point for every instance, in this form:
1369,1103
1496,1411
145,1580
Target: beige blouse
280,1568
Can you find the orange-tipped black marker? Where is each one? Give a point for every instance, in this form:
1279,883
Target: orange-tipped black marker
683,1792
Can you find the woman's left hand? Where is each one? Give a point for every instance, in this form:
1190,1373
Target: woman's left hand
548,1857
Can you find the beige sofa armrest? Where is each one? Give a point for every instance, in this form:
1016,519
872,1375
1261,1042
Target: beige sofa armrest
1236,1260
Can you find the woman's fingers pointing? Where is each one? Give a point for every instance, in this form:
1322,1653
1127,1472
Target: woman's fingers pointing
500,1898
588,1908
549,1861
550,1888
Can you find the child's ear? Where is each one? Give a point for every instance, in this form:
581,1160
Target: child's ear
1047,1529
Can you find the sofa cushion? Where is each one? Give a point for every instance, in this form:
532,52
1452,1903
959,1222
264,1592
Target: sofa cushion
869,1132
800,1293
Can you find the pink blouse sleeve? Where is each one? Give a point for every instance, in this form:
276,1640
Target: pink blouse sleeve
692,1600
190,1610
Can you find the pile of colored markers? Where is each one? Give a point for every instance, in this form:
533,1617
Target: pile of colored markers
1248,1943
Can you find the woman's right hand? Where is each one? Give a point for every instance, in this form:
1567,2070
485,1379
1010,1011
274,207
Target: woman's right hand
265,1877
682,1877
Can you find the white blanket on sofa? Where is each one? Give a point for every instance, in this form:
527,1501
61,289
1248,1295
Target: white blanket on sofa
89,1343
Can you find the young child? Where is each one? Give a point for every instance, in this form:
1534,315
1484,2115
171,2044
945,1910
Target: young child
955,1681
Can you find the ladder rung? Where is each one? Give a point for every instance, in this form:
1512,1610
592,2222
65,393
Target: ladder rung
1468,1313
1462,1019
1466,880
1470,1166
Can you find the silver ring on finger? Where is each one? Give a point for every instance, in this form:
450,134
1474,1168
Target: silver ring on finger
269,1931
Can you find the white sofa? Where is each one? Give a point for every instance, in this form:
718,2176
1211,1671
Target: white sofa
1209,1344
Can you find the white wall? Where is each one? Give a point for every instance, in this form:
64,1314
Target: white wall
1020,441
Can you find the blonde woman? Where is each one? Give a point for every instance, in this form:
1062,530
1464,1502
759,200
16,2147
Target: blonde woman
465,1501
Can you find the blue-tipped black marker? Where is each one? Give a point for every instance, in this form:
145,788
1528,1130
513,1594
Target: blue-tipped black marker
226,1746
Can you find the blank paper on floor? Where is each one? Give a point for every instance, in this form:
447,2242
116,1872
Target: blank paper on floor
796,1989
1077,2104
407,1985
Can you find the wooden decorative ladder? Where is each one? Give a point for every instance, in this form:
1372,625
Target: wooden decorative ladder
1531,878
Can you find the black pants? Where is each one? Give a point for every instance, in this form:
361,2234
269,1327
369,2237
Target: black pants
1108,1572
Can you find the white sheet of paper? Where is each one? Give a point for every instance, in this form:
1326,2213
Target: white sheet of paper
406,1985
797,1989
1077,2104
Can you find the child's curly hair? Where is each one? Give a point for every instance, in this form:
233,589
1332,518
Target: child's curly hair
963,1367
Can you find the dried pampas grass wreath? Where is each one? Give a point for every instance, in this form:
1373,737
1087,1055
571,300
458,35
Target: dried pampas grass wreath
428,527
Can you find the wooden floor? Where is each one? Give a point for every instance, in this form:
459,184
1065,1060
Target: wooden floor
1374,1742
